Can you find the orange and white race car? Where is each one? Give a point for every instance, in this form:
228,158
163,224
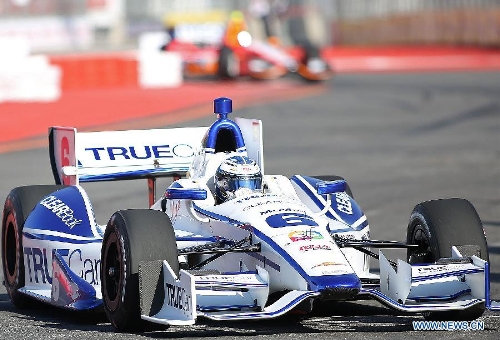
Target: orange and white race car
229,51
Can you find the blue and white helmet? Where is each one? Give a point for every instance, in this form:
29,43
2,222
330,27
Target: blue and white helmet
234,173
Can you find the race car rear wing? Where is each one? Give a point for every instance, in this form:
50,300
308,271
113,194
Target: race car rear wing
132,154
115,155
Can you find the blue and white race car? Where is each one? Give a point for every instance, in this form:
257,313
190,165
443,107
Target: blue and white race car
225,241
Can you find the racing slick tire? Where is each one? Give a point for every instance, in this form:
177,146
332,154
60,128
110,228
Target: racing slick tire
229,67
132,236
335,178
437,225
18,205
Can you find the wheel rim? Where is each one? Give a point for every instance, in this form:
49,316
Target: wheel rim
423,253
112,272
10,250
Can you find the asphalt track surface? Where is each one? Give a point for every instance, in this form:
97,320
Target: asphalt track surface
398,139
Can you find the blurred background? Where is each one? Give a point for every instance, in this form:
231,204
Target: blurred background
51,46
59,26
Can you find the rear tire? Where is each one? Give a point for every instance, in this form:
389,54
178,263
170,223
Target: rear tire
229,67
18,205
437,226
132,236
313,67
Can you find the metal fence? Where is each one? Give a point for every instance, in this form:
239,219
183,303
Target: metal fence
105,23
471,22
355,21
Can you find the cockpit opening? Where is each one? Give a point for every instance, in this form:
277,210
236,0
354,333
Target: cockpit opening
225,141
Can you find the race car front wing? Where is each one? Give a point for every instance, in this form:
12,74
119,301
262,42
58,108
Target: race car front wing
172,299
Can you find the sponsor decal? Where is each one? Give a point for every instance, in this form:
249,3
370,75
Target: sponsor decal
35,260
183,150
327,264
334,272
247,198
309,247
89,269
226,278
39,266
177,297
281,210
305,235
260,203
61,210
345,236
112,153
434,269
351,237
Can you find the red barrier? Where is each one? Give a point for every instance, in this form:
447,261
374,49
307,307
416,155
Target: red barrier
115,70
96,71
411,58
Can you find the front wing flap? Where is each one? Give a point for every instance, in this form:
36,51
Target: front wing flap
456,285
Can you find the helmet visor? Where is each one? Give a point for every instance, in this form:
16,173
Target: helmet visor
251,182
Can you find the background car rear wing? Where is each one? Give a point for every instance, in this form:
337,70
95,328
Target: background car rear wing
197,27
115,155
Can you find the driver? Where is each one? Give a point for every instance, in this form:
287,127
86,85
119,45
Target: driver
236,176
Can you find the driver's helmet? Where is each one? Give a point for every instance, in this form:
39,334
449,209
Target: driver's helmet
236,173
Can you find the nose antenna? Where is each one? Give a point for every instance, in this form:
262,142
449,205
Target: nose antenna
223,106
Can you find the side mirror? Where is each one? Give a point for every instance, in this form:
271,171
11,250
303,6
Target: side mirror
324,188
185,194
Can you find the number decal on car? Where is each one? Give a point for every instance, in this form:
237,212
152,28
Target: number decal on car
290,220
64,157
343,203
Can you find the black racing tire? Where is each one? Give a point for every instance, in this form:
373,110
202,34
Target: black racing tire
132,236
335,178
18,205
437,225
228,67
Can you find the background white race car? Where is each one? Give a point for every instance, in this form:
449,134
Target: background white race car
260,255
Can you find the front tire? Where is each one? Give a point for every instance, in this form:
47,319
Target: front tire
437,226
18,205
132,236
